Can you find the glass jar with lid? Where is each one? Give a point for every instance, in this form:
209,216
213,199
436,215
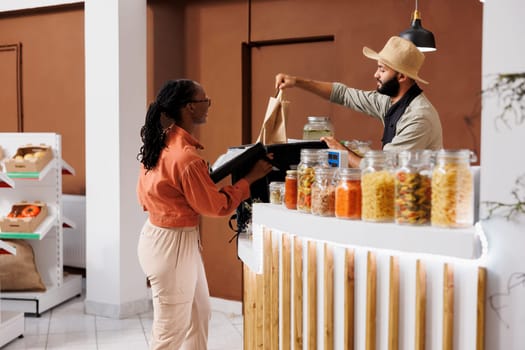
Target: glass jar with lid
310,158
377,185
413,187
453,189
348,194
357,146
323,192
317,127
276,192
290,189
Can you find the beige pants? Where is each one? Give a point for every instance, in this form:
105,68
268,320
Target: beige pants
171,260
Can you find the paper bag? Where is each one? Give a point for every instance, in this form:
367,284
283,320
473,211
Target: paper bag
273,129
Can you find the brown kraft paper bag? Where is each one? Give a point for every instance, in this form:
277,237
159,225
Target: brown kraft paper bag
273,129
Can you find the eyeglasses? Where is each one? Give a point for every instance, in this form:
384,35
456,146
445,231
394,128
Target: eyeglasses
204,100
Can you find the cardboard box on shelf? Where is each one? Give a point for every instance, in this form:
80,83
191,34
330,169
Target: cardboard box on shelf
29,158
24,217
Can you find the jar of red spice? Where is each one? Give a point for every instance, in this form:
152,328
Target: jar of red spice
348,194
290,189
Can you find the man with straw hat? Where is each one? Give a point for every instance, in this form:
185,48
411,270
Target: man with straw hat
409,119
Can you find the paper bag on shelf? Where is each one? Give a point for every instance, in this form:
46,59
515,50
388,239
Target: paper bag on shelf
273,129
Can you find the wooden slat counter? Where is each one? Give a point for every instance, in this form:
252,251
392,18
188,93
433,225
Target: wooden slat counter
329,283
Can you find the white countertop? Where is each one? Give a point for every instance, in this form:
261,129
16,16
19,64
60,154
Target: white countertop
465,243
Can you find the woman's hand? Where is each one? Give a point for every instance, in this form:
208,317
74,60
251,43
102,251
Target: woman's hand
260,169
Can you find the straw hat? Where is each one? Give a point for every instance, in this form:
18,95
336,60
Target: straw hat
401,55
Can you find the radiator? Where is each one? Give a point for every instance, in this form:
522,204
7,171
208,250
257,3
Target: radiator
74,209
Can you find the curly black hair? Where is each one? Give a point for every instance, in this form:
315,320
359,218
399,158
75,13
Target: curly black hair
172,97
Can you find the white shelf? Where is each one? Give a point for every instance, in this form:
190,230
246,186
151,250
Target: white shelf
68,223
9,177
35,303
7,248
11,326
41,231
66,168
33,175
6,181
459,243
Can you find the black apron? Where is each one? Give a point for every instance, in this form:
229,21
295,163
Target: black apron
396,111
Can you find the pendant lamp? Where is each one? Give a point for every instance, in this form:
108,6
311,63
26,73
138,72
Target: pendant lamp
422,38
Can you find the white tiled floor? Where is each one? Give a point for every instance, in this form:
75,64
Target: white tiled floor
68,327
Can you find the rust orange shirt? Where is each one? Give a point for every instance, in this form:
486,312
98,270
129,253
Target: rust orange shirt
179,189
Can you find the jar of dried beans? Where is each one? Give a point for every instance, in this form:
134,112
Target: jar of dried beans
452,189
348,194
377,185
413,187
310,158
323,192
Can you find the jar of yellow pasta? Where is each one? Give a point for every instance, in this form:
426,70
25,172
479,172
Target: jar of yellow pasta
377,186
310,159
413,187
452,189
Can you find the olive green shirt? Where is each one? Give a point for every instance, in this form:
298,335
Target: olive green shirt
418,128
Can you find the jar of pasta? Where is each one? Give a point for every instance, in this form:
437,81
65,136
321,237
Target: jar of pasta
377,185
323,192
452,189
290,189
310,158
348,194
413,187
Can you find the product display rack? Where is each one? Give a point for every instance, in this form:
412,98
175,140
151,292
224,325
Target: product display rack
11,322
47,242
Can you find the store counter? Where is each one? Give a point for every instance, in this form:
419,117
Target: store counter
315,282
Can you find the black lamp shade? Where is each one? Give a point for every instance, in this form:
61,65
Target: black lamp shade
422,38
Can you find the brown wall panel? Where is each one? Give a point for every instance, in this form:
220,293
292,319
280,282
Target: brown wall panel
53,78
213,32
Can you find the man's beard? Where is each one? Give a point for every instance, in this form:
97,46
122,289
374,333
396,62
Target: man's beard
389,87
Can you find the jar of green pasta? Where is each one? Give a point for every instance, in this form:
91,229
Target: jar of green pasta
377,186
413,187
452,189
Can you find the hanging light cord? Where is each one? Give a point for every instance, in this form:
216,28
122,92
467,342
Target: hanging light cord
416,15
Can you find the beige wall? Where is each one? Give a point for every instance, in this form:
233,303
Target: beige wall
202,40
